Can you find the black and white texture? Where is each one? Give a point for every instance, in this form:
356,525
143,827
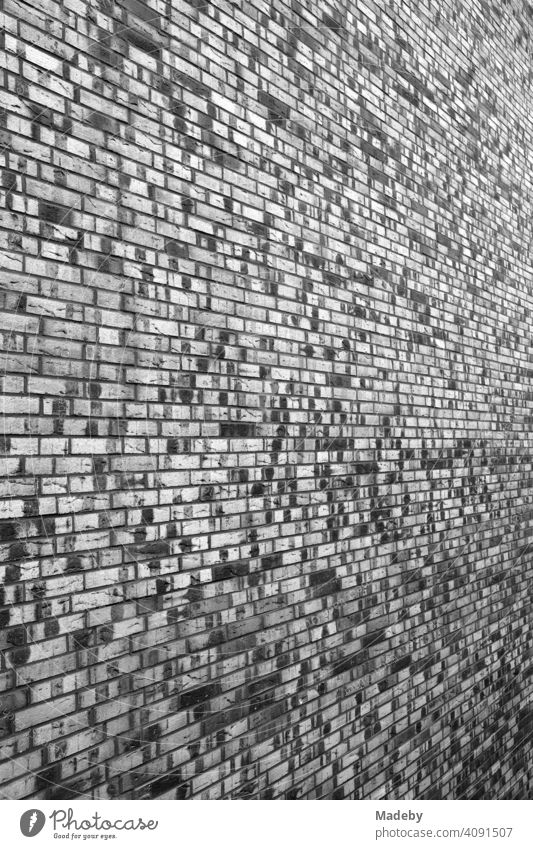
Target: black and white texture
267,400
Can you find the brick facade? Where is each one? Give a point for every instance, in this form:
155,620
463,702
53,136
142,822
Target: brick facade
267,358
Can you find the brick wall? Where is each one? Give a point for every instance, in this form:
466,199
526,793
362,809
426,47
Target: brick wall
267,362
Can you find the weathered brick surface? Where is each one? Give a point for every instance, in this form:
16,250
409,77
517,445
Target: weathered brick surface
266,363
